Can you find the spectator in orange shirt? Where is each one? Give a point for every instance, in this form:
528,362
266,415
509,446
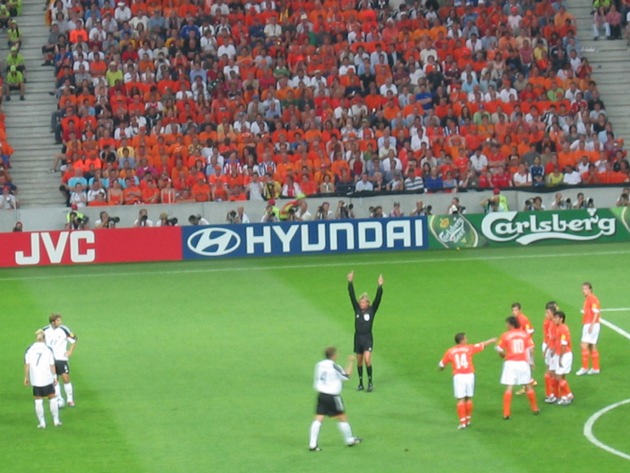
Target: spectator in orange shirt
131,193
201,190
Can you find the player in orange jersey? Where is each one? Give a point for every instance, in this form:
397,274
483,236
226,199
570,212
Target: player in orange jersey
516,347
590,331
562,358
461,358
526,325
549,329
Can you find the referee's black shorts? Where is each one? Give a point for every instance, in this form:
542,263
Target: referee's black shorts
362,343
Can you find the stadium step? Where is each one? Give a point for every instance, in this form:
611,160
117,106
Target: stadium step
28,122
611,66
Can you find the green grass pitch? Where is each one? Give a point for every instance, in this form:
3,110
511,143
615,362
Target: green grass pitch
207,366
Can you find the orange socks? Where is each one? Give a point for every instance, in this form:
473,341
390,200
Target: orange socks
461,412
531,395
548,384
595,358
507,404
585,354
469,409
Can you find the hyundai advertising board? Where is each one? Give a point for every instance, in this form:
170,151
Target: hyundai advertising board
295,238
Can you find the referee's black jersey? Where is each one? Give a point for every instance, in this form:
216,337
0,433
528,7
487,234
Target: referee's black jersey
364,319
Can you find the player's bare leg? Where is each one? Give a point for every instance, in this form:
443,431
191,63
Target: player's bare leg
360,370
368,365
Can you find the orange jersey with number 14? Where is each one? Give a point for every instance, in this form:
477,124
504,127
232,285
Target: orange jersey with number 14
461,357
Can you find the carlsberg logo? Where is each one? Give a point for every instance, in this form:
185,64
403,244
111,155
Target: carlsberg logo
533,227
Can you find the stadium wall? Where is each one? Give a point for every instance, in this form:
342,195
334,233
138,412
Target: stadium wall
54,218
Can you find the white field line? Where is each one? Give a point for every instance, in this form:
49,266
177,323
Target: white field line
588,427
150,271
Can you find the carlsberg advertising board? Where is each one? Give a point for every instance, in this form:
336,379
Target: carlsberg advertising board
527,228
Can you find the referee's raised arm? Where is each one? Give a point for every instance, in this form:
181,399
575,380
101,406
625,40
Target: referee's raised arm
351,293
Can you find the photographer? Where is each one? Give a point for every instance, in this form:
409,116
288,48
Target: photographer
166,221
289,211
376,212
302,214
75,220
233,217
18,227
324,212
105,221
455,207
269,215
344,211
196,220
143,219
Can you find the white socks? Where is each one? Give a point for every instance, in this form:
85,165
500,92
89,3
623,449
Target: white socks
315,426
346,431
39,412
54,409
69,392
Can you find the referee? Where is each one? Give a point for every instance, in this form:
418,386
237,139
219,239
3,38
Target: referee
364,314
329,378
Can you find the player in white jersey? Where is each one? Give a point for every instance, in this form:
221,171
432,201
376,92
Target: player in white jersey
39,372
329,378
62,342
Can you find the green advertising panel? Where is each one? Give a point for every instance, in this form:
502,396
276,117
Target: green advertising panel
526,228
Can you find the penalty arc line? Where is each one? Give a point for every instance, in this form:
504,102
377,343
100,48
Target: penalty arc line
588,427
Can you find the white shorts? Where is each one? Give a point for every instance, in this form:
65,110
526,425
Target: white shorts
516,373
590,338
548,356
567,362
464,385
553,362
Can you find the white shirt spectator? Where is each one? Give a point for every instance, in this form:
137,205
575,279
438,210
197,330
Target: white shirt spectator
122,13
572,178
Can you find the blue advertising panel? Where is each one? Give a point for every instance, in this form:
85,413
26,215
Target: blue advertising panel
297,238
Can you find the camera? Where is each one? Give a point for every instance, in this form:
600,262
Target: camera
144,218
114,219
232,216
172,221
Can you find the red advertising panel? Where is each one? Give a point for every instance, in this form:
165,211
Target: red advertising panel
124,245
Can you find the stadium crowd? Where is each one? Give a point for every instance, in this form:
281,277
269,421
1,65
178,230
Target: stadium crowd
195,101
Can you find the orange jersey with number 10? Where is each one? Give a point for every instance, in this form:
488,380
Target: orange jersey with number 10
461,357
591,309
516,345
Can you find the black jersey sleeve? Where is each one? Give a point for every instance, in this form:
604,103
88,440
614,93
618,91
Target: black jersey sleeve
377,298
353,297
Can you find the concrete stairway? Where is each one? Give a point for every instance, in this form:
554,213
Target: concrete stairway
28,122
611,68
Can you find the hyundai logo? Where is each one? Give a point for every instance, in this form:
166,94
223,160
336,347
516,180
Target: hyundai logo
213,241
